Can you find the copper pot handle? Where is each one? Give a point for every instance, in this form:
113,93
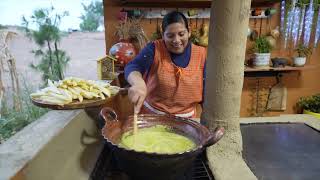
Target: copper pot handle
123,91
108,114
215,136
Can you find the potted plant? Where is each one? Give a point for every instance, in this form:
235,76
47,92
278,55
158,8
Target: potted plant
310,105
262,49
131,40
303,52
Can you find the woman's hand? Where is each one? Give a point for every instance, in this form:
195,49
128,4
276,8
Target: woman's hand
138,90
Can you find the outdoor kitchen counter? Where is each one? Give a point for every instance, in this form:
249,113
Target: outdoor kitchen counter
66,144
59,145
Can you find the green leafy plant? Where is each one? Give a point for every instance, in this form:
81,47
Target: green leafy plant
262,45
2,26
195,36
93,16
310,103
303,50
53,60
12,121
301,3
157,34
132,31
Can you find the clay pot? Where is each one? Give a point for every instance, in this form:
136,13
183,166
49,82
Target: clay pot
144,165
299,61
261,60
123,51
270,11
279,62
256,12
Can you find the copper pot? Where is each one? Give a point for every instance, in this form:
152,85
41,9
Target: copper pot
144,165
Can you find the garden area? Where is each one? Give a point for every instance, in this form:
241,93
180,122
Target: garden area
30,57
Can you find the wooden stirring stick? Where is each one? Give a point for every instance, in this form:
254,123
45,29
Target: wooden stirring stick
135,120
135,125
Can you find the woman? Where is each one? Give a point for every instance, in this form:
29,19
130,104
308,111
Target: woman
167,75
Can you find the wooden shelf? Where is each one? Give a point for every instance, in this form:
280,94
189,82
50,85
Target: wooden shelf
271,71
168,3
188,3
287,68
156,13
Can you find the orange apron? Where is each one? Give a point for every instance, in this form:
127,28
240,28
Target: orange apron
172,89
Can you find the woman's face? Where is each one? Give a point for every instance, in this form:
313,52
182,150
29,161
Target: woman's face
176,37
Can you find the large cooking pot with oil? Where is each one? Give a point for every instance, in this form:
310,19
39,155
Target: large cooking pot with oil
155,165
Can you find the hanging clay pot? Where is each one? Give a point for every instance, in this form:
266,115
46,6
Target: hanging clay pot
271,41
253,35
204,35
158,33
122,16
249,32
275,33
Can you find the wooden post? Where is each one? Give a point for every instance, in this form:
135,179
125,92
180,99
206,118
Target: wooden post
5,55
229,23
15,83
2,89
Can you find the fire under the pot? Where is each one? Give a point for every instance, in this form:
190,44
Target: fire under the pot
104,169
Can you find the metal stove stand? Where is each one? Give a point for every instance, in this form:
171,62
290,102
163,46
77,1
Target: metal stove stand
104,170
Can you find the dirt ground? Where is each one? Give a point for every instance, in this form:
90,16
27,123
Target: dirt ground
82,47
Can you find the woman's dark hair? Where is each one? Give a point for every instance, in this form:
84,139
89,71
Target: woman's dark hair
174,17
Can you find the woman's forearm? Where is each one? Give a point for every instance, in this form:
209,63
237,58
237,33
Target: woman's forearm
138,90
135,78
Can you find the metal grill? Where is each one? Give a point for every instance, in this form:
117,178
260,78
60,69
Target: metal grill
103,169
201,170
